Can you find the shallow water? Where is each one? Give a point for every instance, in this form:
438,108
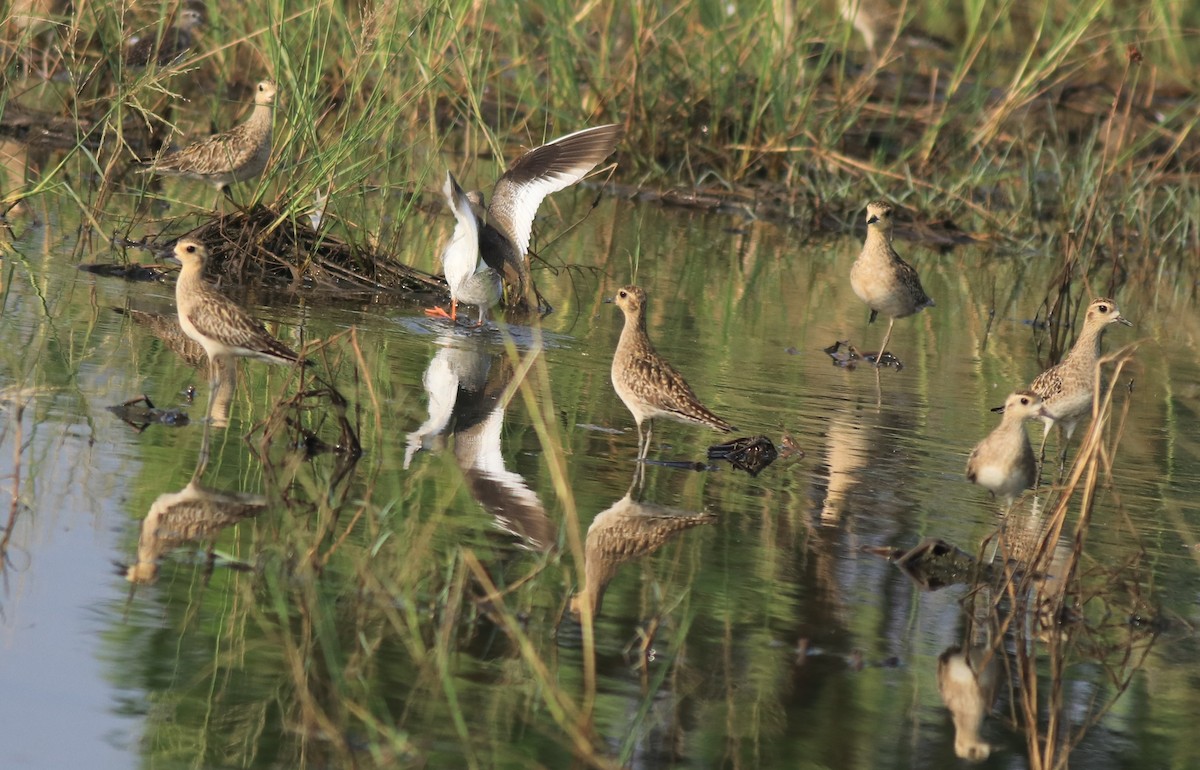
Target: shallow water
494,453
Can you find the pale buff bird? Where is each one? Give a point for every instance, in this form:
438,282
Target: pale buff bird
880,278
507,223
472,280
219,324
645,382
1003,462
236,155
1067,389
967,682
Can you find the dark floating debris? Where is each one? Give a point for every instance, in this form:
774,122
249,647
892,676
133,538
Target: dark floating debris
932,564
131,272
750,454
846,355
141,413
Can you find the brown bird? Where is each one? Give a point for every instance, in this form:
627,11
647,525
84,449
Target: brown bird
646,383
235,155
222,328
507,223
883,280
627,530
1003,462
1068,387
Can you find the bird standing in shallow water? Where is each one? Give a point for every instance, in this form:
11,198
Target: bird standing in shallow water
647,384
472,281
883,280
235,155
1067,388
508,220
1003,462
222,328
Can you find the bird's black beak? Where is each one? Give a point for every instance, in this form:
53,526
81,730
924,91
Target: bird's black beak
1123,320
609,300
872,219
998,409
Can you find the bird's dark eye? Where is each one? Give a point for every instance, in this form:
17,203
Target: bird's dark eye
1103,308
1025,401
623,294
190,249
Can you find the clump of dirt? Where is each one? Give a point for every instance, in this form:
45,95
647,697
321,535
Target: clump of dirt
261,245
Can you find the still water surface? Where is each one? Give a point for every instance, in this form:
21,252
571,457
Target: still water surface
758,633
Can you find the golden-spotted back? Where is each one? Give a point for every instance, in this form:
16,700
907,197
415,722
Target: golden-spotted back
647,384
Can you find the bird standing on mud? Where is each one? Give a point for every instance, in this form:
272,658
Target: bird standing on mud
236,155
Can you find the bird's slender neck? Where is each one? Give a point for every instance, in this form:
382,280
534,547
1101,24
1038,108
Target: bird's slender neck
878,239
1088,344
635,328
191,275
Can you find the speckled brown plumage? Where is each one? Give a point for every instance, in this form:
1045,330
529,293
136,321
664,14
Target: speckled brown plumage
167,329
216,322
646,383
192,514
627,530
1067,389
235,155
885,282
1003,462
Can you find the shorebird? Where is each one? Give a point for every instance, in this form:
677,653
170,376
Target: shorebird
235,155
173,43
883,280
222,328
646,383
472,281
1067,388
629,529
194,513
967,682
1003,462
508,221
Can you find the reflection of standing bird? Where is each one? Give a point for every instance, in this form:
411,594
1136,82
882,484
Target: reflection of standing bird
221,327
174,42
236,155
471,280
508,223
968,688
646,383
1003,462
191,514
1068,387
627,530
883,280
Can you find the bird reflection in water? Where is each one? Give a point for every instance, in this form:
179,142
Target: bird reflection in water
193,514
967,683
468,389
628,529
